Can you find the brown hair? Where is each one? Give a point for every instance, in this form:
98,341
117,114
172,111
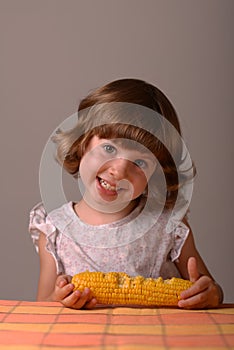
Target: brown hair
127,92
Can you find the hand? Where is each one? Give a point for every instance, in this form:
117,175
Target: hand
63,292
204,293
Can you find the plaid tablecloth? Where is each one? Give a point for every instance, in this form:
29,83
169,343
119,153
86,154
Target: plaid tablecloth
49,326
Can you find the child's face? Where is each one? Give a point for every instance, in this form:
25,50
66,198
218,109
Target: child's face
114,175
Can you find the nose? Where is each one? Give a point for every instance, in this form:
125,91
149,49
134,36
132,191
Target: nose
120,168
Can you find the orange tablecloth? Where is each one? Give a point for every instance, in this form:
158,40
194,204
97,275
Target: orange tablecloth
49,326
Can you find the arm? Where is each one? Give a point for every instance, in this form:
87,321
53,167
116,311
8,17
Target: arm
53,287
205,292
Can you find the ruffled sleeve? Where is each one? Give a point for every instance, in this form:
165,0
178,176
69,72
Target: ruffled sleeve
180,234
40,222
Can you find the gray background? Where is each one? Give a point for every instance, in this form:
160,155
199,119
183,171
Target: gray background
54,52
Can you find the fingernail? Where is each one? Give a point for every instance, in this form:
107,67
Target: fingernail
180,303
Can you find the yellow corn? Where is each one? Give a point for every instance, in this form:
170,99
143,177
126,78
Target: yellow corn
120,288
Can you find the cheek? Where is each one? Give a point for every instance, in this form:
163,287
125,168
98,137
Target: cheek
139,181
92,162
88,169
90,166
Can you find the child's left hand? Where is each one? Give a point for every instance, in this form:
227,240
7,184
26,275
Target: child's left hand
204,293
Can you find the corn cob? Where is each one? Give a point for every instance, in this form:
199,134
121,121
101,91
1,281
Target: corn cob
120,288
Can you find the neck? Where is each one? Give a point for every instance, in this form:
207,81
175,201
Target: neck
94,217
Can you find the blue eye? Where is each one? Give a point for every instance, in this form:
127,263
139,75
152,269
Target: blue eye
140,163
109,148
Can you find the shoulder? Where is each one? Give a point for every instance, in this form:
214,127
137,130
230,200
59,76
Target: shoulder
61,217
39,212
41,221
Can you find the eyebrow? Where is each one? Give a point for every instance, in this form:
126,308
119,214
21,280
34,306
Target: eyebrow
129,143
148,157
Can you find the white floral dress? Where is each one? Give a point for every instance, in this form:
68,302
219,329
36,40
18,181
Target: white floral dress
138,244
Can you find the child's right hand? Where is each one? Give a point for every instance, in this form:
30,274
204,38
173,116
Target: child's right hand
63,292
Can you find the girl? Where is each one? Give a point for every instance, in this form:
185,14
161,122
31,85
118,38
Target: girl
135,178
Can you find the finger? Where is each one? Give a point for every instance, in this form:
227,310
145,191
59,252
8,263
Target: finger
91,304
77,299
199,286
62,280
198,301
84,299
65,291
71,299
193,270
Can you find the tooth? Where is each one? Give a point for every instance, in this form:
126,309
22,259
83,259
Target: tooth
106,185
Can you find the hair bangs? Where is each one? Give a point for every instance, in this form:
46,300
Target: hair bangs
129,133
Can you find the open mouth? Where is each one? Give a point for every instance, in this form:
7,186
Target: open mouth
104,184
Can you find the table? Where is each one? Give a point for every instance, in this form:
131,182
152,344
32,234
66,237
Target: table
28,325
